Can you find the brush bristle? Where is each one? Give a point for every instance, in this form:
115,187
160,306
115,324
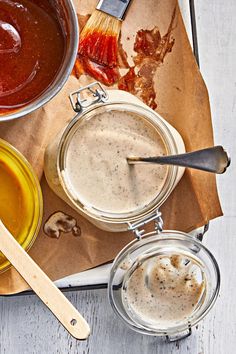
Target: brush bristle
99,39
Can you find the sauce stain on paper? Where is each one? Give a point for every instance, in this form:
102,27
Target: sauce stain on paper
151,48
59,223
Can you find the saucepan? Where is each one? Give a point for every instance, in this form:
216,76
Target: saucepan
66,15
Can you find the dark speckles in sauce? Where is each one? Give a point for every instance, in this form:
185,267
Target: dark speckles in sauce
32,45
97,173
165,289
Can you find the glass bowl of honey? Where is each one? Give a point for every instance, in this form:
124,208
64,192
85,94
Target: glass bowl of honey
21,203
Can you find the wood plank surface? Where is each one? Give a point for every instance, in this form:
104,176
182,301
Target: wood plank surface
26,326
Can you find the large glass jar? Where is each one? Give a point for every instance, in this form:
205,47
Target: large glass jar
88,110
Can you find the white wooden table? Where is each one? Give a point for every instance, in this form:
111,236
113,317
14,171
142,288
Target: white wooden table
26,326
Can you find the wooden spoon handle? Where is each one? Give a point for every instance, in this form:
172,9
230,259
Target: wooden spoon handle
53,298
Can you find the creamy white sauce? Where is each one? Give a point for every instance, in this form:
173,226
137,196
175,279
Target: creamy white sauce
96,169
164,290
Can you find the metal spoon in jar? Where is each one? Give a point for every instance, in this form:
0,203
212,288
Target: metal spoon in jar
214,159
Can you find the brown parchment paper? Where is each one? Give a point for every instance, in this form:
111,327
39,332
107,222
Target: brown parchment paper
182,100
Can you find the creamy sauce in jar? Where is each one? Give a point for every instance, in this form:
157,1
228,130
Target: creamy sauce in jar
164,290
96,170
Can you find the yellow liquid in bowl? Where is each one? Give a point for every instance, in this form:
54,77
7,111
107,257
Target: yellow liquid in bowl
20,198
12,206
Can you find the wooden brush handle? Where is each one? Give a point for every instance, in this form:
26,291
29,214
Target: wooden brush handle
53,298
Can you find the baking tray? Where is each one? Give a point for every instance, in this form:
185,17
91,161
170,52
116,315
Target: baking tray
97,278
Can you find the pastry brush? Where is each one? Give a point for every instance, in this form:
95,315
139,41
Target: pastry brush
99,37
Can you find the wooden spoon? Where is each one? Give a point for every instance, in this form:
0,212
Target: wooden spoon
53,298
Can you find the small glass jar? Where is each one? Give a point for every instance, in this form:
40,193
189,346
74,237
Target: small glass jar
163,244
56,154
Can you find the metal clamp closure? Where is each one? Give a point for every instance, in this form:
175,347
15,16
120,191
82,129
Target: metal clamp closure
156,217
180,336
80,102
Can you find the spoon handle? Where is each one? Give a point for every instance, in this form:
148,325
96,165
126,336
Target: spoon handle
53,298
214,159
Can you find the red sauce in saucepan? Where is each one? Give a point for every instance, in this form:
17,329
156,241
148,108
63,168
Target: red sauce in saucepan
32,47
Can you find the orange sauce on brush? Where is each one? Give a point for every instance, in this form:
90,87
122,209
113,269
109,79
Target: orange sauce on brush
103,51
97,55
32,46
108,76
90,54
12,208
